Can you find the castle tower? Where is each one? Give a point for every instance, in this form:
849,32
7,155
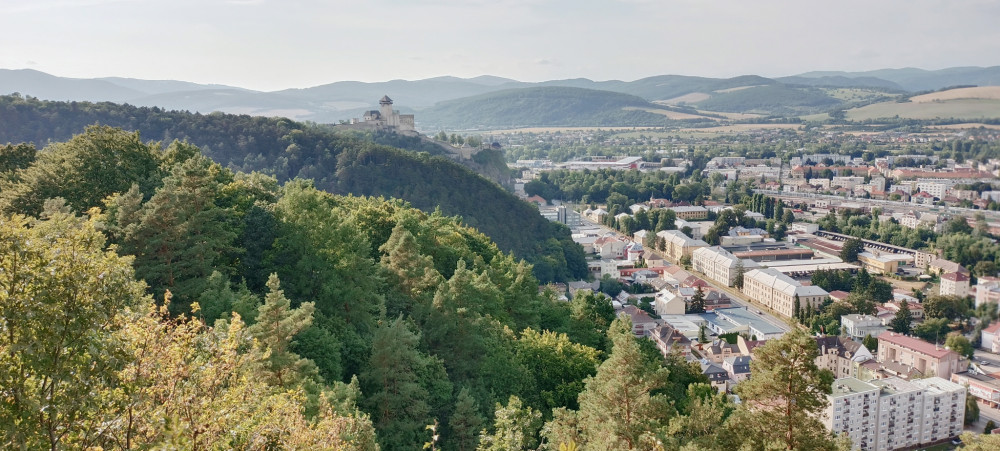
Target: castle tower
386,107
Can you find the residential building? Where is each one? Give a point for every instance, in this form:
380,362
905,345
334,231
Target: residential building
942,266
804,227
878,264
983,387
859,326
717,375
677,245
669,303
719,264
738,368
669,340
610,247
927,358
693,212
944,409
987,290
990,338
642,323
841,356
853,410
889,414
778,292
955,284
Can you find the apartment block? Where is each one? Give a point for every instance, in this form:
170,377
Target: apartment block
927,358
719,264
778,291
889,414
677,245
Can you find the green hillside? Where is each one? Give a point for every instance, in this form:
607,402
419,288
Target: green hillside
770,99
545,106
287,150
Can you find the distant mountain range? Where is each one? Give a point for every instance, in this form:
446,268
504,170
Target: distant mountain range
501,102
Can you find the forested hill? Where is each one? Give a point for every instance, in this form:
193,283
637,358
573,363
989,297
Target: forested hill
287,149
544,106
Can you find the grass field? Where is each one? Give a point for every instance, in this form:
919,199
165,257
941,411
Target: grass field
979,92
693,97
970,109
675,115
742,128
738,88
563,129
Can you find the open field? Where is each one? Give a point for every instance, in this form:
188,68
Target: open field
563,129
742,128
738,88
675,115
693,97
959,109
733,116
979,92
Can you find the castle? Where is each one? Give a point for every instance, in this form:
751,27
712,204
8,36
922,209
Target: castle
385,118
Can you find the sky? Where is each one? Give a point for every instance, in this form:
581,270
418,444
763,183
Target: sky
278,44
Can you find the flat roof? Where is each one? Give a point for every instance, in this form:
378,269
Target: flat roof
811,268
851,385
743,317
894,386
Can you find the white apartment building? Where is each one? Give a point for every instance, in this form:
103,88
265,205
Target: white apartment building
719,264
935,189
889,414
858,326
987,290
847,181
677,245
778,291
954,284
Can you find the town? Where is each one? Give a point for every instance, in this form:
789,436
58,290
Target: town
713,280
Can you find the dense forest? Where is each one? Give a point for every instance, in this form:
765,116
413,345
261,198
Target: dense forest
154,298
336,162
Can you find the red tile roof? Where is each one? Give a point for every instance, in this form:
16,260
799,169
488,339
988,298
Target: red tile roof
914,344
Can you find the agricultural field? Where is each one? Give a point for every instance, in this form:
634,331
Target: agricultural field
693,97
969,109
674,115
855,94
979,92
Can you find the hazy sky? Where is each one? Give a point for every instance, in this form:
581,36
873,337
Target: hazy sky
276,44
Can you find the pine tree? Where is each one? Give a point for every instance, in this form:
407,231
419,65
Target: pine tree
797,308
697,302
276,326
396,400
740,272
618,409
465,423
785,393
901,322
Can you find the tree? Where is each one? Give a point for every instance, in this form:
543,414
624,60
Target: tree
971,409
60,297
465,423
397,401
901,322
958,343
558,365
934,330
697,304
786,393
871,343
852,247
990,426
986,268
740,273
515,427
276,326
797,308
619,408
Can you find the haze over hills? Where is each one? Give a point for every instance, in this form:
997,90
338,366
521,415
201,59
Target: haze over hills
808,93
